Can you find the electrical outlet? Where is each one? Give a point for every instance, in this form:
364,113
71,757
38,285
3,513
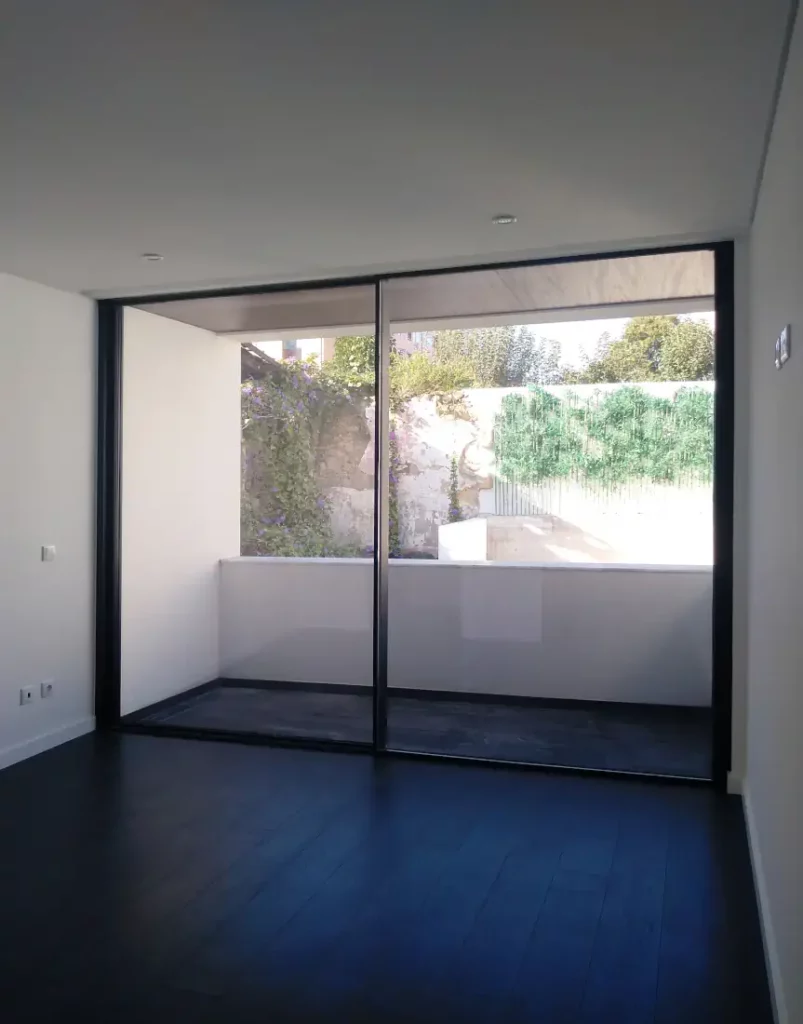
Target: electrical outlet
26,695
47,689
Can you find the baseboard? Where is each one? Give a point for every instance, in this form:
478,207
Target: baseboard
734,784
767,930
39,744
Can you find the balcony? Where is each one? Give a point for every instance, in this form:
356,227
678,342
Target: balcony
604,665
549,504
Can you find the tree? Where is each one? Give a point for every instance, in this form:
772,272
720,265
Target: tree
417,374
485,350
352,362
688,352
651,348
532,359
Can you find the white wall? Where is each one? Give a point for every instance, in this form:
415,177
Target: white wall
47,402
180,503
597,633
741,497
297,619
774,787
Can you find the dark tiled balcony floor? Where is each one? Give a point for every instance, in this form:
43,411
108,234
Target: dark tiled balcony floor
619,737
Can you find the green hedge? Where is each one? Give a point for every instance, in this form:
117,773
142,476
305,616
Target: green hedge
616,437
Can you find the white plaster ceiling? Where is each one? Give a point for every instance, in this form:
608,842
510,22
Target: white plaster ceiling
252,140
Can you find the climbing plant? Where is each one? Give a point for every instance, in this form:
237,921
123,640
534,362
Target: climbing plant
283,511
536,438
394,469
616,437
455,514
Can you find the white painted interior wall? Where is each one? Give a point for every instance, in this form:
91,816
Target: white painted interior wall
774,785
180,501
47,392
605,632
741,467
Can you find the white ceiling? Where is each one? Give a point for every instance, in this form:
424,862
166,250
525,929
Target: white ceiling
253,140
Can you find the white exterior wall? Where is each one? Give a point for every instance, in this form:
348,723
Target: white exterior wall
297,619
594,633
180,502
47,445
774,783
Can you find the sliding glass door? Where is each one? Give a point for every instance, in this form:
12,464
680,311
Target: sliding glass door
248,514
467,514
550,469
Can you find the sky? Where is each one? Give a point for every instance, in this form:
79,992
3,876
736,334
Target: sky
579,338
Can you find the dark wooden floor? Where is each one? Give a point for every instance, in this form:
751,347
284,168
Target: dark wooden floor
154,879
646,738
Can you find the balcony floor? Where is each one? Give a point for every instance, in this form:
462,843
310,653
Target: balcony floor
645,738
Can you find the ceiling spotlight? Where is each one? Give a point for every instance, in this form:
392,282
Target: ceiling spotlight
504,218
152,257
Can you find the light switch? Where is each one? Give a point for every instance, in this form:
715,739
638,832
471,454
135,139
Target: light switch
49,553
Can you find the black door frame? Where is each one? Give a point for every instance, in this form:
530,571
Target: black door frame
109,505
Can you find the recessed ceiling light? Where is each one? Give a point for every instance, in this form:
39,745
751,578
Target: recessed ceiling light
152,257
504,218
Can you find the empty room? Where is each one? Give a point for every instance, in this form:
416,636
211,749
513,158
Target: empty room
399,556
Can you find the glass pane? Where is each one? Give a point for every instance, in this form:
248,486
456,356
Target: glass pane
249,504
551,513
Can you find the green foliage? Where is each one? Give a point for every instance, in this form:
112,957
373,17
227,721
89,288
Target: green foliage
483,350
455,511
633,438
394,525
651,348
623,435
500,356
352,363
533,360
411,376
536,438
283,511
688,352
352,367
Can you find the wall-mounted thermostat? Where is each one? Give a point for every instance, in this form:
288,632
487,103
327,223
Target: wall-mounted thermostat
783,346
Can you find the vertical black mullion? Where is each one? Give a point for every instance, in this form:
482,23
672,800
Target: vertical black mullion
722,612
381,535
107,539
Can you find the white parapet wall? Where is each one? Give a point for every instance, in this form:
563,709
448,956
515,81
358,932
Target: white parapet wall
591,632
